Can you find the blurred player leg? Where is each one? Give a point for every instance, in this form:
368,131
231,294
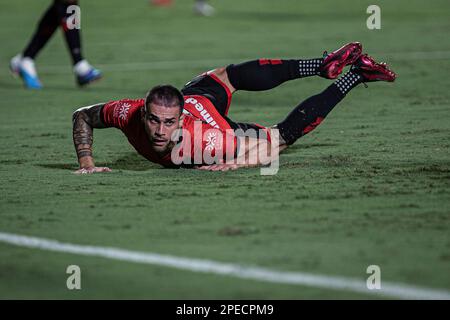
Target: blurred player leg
84,72
23,64
203,8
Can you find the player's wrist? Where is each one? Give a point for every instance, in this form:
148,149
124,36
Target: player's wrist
86,162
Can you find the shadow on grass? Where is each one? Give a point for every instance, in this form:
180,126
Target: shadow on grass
134,162
301,146
131,162
11,85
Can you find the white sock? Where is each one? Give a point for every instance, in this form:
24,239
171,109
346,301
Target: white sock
203,8
82,67
17,58
27,64
15,62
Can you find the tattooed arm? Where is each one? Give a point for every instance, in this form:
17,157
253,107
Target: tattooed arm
84,121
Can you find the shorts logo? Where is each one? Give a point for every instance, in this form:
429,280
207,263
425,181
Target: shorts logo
123,111
203,112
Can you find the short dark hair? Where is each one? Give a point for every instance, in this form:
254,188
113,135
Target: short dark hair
165,95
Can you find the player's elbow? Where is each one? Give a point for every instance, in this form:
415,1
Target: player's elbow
79,114
75,116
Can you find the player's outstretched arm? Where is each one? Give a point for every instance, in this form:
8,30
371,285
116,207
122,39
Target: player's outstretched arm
84,121
255,152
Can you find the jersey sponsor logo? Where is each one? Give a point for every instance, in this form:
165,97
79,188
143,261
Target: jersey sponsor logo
203,112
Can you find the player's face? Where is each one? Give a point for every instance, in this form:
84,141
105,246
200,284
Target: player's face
160,122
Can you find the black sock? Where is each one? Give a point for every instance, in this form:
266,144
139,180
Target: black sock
264,74
311,112
72,36
348,81
45,29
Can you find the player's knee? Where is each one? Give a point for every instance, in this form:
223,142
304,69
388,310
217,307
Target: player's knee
222,74
220,71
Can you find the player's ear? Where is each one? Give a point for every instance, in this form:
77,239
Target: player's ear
180,119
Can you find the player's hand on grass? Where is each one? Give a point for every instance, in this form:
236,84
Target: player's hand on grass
219,167
91,170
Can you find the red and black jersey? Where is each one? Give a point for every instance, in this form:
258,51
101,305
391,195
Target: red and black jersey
206,134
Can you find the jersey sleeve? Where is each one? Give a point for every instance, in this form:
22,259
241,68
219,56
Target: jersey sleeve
118,113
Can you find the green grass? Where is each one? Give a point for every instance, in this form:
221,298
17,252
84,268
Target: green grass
370,186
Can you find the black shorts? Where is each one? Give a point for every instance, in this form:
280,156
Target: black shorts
216,91
212,88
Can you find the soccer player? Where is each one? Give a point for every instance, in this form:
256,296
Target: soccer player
56,15
199,112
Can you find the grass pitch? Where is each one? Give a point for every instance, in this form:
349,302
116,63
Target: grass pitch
369,186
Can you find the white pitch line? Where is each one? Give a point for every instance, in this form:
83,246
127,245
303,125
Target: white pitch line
214,63
228,269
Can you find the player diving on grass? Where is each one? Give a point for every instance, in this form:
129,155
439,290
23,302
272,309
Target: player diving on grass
192,125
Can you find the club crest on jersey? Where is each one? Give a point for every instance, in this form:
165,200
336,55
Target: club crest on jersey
211,141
